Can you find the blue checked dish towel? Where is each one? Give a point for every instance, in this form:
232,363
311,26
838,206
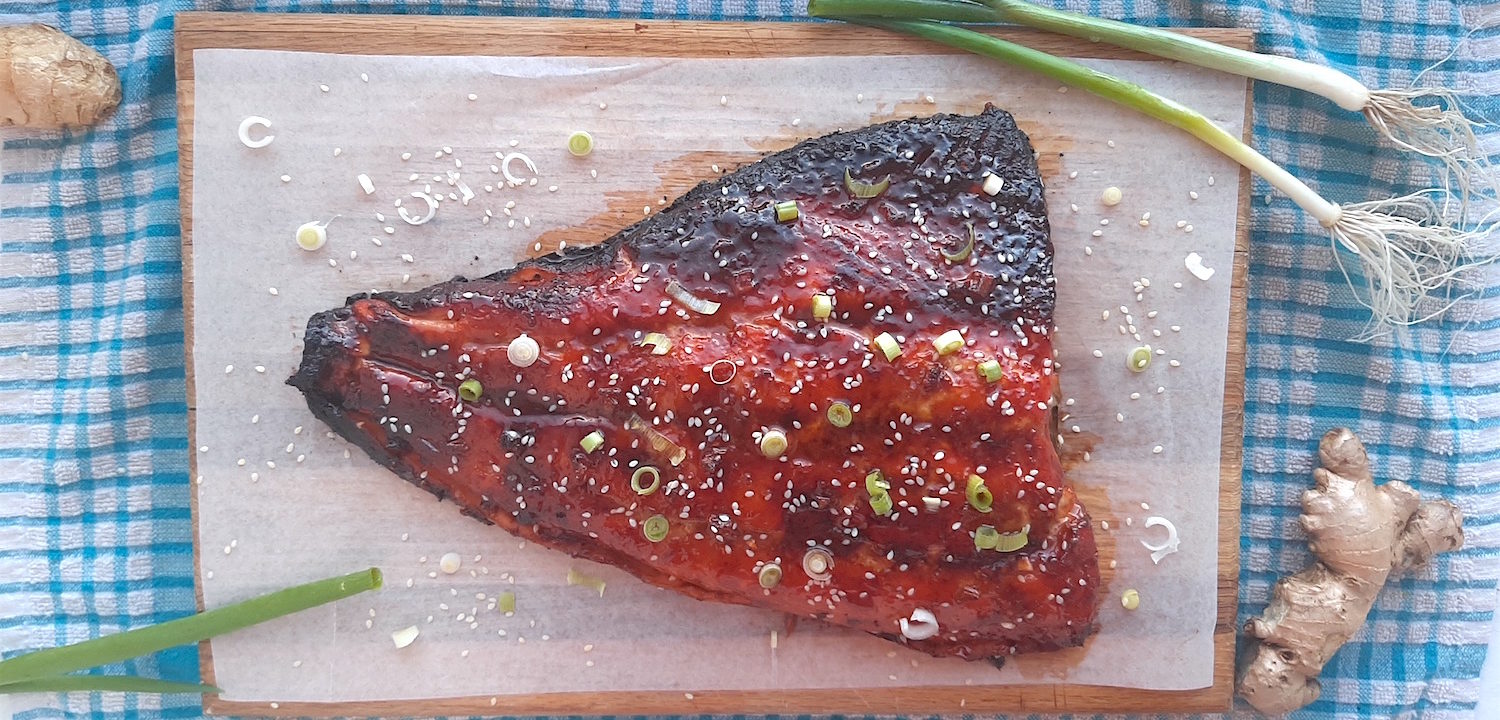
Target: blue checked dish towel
95,532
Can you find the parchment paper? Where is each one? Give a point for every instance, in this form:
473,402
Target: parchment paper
659,124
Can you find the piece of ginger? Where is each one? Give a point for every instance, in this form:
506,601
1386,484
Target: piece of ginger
1360,533
49,80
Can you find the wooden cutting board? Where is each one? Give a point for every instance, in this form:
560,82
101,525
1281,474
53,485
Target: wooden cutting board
608,38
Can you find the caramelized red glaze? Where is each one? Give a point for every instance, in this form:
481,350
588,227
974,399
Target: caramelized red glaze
384,371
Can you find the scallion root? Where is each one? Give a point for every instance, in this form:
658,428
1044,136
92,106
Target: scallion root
1408,256
1440,131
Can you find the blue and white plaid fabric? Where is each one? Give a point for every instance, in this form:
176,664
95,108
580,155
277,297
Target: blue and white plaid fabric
95,535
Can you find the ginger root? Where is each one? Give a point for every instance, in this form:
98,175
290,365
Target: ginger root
49,80
1360,534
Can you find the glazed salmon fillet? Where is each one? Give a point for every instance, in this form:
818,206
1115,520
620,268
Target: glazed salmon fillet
822,384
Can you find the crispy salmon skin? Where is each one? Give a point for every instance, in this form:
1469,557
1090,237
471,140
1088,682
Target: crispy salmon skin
775,392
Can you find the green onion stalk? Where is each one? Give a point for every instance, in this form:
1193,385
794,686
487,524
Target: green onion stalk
48,670
1439,131
1406,249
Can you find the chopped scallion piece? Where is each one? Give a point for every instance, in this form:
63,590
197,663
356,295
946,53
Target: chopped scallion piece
881,503
770,576
786,211
773,443
875,482
949,342
578,578
817,562
840,414
1013,541
980,497
656,528
506,603
641,472
470,390
592,441
822,306
694,303
659,343
660,444
580,143
862,189
993,184
968,248
888,345
1140,358
986,537
990,370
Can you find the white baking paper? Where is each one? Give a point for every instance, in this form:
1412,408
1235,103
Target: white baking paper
280,502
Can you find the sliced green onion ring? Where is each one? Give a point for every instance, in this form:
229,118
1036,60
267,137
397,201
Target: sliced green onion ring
773,443
875,482
470,390
840,414
888,345
949,342
769,575
817,562
967,249
693,302
659,343
506,603
990,370
641,472
656,528
578,578
1013,541
787,211
862,189
980,497
580,143
822,306
986,538
592,441
660,444
881,503
1139,359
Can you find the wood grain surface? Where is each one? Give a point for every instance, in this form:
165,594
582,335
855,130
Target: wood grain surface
623,38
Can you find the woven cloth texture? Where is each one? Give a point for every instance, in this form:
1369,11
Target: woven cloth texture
95,530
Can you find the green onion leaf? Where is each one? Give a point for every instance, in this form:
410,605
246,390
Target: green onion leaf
580,143
862,189
107,683
470,390
642,472
986,537
980,497
888,345
506,603
990,370
144,641
786,211
656,528
592,441
840,414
